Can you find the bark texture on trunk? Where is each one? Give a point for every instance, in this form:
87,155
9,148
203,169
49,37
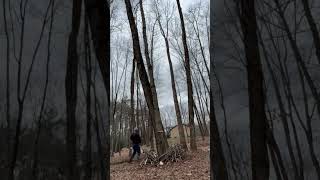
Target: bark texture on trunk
174,90
258,119
88,170
71,93
193,144
99,19
218,168
161,141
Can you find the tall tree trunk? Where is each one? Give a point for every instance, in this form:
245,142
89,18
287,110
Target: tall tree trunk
161,140
143,135
137,101
21,93
274,148
182,137
149,63
201,106
39,123
132,120
200,72
199,121
99,18
8,107
226,133
308,127
313,27
101,156
71,93
258,119
283,113
193,144
290,102
218,168
88,169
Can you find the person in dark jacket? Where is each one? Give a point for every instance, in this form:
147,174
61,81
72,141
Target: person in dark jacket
136,141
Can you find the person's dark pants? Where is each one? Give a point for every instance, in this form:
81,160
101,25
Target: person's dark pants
136,149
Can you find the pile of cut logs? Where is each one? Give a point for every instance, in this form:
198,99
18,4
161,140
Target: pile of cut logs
174,153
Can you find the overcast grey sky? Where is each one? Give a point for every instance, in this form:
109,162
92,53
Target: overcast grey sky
162,73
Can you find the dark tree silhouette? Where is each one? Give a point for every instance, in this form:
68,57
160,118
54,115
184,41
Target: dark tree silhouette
258,119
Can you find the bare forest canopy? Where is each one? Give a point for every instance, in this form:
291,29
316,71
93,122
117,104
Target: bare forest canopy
160,43
266,55
77,76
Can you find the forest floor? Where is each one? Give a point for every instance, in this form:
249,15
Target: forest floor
194,166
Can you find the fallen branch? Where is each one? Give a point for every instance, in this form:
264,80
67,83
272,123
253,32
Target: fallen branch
174,153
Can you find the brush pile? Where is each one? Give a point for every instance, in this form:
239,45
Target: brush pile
174,153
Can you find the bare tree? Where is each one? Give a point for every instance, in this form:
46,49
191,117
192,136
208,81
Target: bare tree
160,137
258,119
218,168
193,144
40,117
71,92
99,19
21,93
132,121
313,27
173,86
297,55
88,69
8,107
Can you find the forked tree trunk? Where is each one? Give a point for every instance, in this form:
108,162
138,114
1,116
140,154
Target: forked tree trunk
258,119
193,144
161,141
149,62
182,137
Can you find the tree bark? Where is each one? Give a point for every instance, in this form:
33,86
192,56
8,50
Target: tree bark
193,145
283,113
218,168
88,170
132,121
21,93
182,137
99,18
8,103
71,93
40,117
258,120
160,137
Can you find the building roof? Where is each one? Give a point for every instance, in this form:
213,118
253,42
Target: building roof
187,125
